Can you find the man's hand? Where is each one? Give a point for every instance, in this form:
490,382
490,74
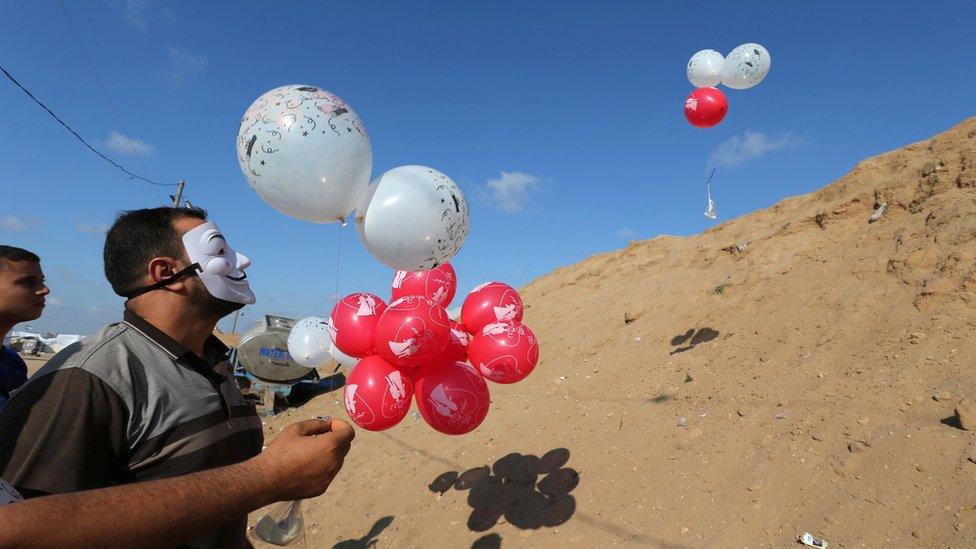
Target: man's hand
304,458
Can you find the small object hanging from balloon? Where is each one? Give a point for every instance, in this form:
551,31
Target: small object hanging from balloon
706,107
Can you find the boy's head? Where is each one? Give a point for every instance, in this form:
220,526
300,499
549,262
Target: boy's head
22,287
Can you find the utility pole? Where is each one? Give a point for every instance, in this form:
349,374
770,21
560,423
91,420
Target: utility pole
236,315
179,195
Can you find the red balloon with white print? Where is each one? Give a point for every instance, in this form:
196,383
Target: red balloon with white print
504,352
706,107
412,331
353,322
377,394
452,397
489,303
457,347
438,284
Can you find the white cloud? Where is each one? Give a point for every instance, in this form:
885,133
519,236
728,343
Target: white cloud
454,313
119,143
13,223
54,302
511,190
748,146
92,228
134,12
185,62
94,310
626,233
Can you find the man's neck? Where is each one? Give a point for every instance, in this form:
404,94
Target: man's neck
5,327
188,330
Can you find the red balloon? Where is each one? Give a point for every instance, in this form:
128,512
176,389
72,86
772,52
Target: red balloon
489,303
377,395
412,331
439,284
353,322
706,107
457,347
452,398
504,352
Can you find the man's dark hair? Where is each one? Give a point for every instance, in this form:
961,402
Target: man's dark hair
136,237
13,253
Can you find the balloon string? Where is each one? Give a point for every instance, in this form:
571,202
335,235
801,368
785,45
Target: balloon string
335,296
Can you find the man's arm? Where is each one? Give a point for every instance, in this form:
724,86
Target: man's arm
300,463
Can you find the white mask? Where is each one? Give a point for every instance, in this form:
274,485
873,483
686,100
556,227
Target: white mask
221,268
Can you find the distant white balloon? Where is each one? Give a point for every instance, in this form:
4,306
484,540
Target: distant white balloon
305,152
309,342
705,68
746,66
343,359
416,219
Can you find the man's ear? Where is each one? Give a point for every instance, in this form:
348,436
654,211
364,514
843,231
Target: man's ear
161,268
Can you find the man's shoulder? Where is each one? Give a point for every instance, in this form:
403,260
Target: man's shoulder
106,354
10,358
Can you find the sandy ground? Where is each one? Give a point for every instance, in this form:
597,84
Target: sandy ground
796,369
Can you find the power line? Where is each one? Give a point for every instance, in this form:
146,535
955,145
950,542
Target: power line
74,133
108,98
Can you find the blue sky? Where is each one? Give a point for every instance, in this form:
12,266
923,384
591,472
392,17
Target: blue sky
575,108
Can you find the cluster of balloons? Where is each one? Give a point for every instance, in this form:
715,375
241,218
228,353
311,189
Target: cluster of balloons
411,349
306,153
744,67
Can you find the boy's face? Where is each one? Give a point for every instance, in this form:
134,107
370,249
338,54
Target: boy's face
22,290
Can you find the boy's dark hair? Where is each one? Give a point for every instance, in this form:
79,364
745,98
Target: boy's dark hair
13,253
138,236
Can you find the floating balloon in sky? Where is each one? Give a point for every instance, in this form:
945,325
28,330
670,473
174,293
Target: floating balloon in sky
305,152
705,68
746,66
706,107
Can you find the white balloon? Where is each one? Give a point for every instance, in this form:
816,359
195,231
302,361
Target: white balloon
705,68
305,152
746,66
416,220
309,342
342,358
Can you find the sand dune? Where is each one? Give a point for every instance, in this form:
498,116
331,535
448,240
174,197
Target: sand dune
792,370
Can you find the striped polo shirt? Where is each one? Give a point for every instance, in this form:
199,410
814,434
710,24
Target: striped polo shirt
125,405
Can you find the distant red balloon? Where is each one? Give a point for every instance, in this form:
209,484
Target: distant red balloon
439,284
504,352
412,331
377,394
491,302
706,107
353,322
452,398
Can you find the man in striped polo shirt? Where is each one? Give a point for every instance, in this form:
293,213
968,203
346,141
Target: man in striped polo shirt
151,397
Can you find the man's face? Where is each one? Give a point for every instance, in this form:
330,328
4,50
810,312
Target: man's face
214,247
22,290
